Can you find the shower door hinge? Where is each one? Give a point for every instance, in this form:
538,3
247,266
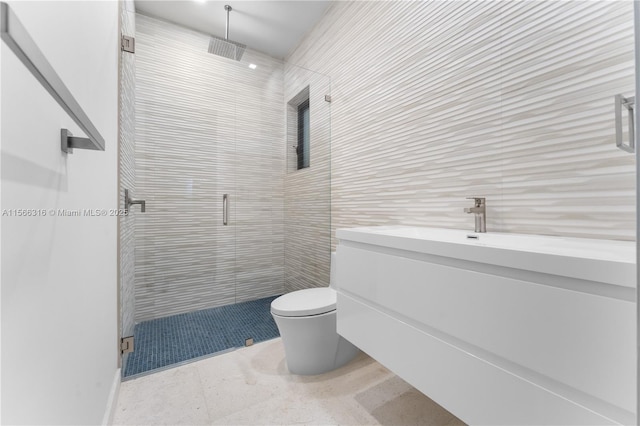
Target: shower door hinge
126,345
128,44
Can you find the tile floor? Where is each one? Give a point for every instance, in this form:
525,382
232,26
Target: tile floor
177,338
251,386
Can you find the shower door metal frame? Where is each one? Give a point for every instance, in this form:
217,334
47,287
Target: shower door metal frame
636,27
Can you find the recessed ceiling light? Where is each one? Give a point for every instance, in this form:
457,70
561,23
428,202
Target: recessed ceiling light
200,1
253,66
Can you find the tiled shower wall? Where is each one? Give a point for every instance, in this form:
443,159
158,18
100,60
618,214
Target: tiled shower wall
127,173
206,126
434,102
308,190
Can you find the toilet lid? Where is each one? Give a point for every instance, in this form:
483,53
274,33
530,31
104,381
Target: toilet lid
302,303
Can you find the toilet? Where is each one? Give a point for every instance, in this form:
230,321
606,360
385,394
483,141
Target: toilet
306,320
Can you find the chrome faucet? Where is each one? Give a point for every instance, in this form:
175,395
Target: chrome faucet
480,211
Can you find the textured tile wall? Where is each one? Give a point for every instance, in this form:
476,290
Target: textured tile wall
206,126
437,101
127,174
308,191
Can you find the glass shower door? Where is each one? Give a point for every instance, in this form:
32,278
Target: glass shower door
185,242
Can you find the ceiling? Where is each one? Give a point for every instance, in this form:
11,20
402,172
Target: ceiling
272,27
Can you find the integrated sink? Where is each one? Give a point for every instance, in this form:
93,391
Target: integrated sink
608,261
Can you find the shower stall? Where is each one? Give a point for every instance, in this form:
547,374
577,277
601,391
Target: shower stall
211,145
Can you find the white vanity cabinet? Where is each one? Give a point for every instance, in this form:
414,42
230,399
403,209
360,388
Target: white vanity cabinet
498,329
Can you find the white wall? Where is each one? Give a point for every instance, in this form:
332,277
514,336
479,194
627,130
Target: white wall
59,274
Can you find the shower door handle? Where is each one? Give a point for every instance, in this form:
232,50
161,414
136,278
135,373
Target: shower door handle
627,103
225,209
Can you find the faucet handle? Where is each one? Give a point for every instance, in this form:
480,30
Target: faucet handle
478,200
128,201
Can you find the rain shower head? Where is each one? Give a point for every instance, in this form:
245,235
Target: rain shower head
225,47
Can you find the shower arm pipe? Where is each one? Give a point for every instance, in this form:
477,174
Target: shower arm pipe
17,38
226,30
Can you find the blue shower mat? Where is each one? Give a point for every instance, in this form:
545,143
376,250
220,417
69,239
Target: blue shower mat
171,340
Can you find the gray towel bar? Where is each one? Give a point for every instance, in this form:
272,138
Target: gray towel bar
20,42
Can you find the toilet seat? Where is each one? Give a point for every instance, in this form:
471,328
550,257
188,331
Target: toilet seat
303,303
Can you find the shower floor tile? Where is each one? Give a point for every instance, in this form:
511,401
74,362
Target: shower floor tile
171,340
